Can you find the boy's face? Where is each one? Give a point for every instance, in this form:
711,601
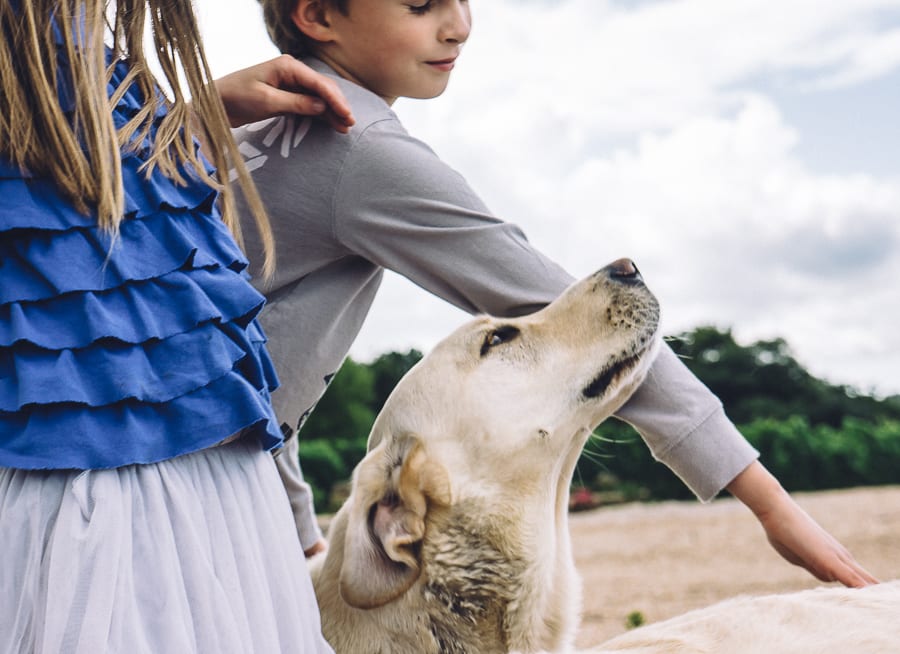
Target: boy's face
398,48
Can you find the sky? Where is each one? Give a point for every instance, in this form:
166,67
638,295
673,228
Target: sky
745,154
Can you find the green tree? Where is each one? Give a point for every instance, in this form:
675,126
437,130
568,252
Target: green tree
323,467
811,434
387,370
333,439
345,410
764,380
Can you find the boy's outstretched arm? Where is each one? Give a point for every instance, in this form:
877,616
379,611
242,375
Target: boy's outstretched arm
456,250
282,85
394,204
793,533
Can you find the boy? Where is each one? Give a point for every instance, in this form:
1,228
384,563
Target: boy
345,207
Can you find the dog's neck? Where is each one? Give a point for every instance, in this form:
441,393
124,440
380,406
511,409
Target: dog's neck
467,589
481,591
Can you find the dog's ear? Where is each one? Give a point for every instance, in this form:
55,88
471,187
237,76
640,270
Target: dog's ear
395,486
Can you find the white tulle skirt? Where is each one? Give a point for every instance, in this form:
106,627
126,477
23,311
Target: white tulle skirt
197,554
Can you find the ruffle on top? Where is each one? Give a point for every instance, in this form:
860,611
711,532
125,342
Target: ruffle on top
127,351
41,263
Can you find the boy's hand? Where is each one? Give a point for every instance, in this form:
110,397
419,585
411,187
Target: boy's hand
800,540
319,546
793,533
279,86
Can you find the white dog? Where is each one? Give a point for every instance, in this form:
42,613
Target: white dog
455,537
820,621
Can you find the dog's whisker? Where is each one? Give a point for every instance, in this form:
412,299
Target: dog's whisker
597,457
600,438
580,478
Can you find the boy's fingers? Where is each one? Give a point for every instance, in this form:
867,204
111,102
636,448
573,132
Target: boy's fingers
857,576
852,577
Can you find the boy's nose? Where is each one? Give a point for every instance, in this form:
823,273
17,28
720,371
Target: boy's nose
458,22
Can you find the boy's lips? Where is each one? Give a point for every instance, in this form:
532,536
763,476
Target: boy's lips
445,65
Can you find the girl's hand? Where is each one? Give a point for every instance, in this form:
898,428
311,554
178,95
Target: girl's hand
279,86
793,533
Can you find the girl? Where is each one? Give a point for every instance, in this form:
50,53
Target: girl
139,509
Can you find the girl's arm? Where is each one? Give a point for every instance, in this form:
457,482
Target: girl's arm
282,85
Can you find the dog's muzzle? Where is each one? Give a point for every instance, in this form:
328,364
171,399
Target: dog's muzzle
642,316
623,270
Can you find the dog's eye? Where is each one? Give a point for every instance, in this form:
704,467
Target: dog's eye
501,335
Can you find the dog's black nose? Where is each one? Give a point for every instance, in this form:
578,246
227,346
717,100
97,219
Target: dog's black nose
623,270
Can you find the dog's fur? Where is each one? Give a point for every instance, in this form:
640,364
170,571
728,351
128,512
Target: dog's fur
455,538
819,621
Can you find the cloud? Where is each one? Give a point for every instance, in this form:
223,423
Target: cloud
859,58
718,199
728,226
643,132
621,69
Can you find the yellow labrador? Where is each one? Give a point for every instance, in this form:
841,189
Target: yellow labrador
455,538
819,621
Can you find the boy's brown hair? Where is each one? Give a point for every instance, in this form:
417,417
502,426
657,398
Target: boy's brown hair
282,30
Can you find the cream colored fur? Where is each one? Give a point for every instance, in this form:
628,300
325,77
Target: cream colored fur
820,621
455,538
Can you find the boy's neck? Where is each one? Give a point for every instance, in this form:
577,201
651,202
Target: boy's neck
347,75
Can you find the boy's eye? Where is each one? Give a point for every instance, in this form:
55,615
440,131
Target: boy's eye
421,9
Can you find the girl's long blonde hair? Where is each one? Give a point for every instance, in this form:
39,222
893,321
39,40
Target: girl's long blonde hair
82,155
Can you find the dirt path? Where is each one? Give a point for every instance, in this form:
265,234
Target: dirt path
667,558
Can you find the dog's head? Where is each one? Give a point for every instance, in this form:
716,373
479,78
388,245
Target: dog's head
497,415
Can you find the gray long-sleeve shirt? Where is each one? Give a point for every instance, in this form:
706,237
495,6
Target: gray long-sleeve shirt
345,207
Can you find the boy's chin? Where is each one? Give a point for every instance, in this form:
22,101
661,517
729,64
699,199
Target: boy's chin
428,91
427,95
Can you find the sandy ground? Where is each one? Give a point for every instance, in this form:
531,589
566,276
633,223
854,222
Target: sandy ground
667,558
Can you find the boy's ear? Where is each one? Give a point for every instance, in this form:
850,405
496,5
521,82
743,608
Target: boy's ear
311,18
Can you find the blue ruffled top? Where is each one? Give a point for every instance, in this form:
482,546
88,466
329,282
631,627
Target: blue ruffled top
133,351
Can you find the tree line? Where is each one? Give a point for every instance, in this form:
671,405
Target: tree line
811,434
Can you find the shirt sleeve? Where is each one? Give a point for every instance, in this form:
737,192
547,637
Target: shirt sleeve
299,493
400,206
686,428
